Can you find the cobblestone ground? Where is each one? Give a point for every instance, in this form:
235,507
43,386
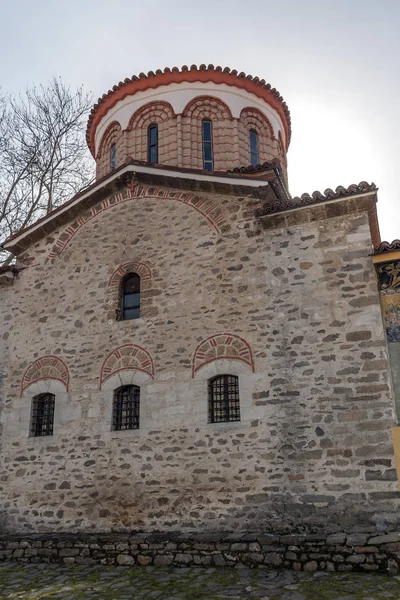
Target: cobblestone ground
122,583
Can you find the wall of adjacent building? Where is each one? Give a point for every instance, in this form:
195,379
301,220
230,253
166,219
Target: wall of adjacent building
293,311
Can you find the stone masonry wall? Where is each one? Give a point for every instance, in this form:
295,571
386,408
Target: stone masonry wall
361,551
312,450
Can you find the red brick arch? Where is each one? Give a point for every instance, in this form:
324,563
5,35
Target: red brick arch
253,118
153,112
111,135
128,357
46,367
222,346
141,269
205,207
207,106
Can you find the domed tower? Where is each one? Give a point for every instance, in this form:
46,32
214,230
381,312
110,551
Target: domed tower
206,118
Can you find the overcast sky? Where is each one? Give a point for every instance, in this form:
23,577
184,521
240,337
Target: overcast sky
335,62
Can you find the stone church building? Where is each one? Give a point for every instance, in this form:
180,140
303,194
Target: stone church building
184,345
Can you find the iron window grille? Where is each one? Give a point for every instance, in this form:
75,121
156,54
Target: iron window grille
113,156
152,143
42,420
208,159
130,298
223,399
126,408
254,159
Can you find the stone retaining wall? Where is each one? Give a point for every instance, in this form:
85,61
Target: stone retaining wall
335,552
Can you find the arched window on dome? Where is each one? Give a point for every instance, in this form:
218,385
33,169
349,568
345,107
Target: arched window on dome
208,159
113,157
130,298
152,143
254,158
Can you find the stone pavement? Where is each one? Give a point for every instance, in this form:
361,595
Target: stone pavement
41,581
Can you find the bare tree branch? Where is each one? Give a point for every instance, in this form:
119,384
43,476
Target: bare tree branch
43,155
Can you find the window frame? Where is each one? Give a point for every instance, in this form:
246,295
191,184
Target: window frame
122,295
113,157
126,408
42,417
207,143
228,403
254,152
150,146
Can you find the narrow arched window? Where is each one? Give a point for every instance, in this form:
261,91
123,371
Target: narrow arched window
223,399
126,408
254,158
113,156
208,159
130,297
152,143
42,416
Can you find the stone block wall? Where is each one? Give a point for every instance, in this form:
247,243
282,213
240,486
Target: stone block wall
294,313
361,551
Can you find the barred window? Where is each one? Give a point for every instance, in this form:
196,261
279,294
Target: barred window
223,399
113,156
254,160
130,297
208,159
152,143
126,407
42,419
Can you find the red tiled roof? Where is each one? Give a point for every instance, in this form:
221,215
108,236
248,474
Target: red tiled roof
204,73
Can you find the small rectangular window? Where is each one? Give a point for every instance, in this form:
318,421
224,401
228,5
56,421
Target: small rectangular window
223,399
254,148
152,144
208,158
126,408
42,419
113,156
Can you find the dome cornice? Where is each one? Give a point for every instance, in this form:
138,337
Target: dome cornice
203,74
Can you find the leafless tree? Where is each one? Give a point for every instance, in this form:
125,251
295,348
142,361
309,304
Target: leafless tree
44,159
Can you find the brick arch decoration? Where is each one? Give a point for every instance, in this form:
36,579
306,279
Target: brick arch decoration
205,207
141,269
153,112
222,346
207,106
282,151
46,367
253,118
163,115
112,135
128,357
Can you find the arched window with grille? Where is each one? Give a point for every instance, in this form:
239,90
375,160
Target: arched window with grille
126,408
207,137
42,415
152,143
223,399
254,157
113,157
130,297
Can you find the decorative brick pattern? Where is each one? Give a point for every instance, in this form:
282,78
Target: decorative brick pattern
112,135
46,367
128,357
141,269
208,209
222,345
251,118
207,107
163,115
